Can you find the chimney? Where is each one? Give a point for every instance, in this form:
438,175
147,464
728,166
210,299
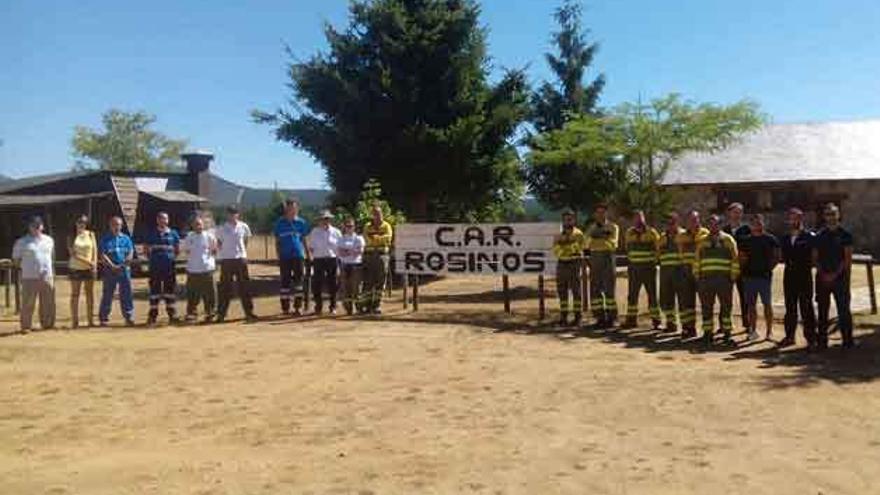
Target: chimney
198,164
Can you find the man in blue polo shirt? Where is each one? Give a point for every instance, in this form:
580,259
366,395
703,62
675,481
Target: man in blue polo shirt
832,255
290,242
116,251
162,246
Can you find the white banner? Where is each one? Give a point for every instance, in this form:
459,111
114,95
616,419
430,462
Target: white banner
481,249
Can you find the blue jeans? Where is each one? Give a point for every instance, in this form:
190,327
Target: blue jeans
110,281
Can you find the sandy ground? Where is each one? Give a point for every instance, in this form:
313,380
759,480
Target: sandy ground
458,398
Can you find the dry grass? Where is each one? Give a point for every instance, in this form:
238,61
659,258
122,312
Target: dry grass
458,398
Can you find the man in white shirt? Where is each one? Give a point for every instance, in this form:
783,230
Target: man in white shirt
351,253
322,243
232,238
35,254
200,246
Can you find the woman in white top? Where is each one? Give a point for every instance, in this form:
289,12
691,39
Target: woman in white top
350,249
200,247
34,254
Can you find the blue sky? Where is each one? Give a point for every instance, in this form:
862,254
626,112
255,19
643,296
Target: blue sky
201,66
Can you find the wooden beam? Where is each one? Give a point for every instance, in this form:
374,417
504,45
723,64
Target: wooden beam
542,310
505,282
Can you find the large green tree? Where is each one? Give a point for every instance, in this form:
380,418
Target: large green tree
403,96
555,103
126,142
629,149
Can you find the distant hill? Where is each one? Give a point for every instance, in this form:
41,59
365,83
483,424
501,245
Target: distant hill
4,178
224,192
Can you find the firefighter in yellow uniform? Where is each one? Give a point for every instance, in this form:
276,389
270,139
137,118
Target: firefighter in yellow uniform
378,236
602,240
717,266
672,272
687,246
568,247
641,243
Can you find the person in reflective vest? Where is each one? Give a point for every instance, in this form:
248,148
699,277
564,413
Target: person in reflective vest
672,272
641,248
162,247
717,267
378,235
602,240
687,246
568,247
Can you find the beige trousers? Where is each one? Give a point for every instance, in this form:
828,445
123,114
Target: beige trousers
31,289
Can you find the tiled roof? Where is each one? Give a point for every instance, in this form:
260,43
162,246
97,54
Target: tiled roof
788,152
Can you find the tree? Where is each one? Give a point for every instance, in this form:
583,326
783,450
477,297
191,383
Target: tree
628,150
363,209
403,97
126,142
553,104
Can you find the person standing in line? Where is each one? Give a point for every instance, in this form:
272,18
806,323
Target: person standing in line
83,266
797,250
34,255
740,231
687,245
162,247
717,266
602,241
290,242
378,235
232,239
323,242
200,247
568,247
672,272
832,256
761,258
351,251
117,251
641,248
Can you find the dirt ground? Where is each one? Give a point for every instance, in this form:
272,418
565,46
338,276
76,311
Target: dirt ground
458,398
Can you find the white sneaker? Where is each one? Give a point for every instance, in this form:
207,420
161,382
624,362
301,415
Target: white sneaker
753,335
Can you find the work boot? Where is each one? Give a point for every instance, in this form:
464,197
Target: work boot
689,332
563,319
629,322
786,342
655,324
671,328
708,338
577,319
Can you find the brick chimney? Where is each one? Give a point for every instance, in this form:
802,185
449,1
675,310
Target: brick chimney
198,165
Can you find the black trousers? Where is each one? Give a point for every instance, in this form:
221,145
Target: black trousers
234,276
324,273
292,272
797,284
840,290
163,286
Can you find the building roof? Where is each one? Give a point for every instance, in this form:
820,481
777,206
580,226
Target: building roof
44,199
37,180
176,196
788,152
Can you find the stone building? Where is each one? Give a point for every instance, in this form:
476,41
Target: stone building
803,165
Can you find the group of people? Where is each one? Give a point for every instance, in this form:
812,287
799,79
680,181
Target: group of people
344,262
710,262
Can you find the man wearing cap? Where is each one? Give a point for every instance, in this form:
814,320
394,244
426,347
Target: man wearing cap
641,249
323,242
34,255
291,244
797,282
832,255
740,231
568,247
602,240
162,246
232,238
378,235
